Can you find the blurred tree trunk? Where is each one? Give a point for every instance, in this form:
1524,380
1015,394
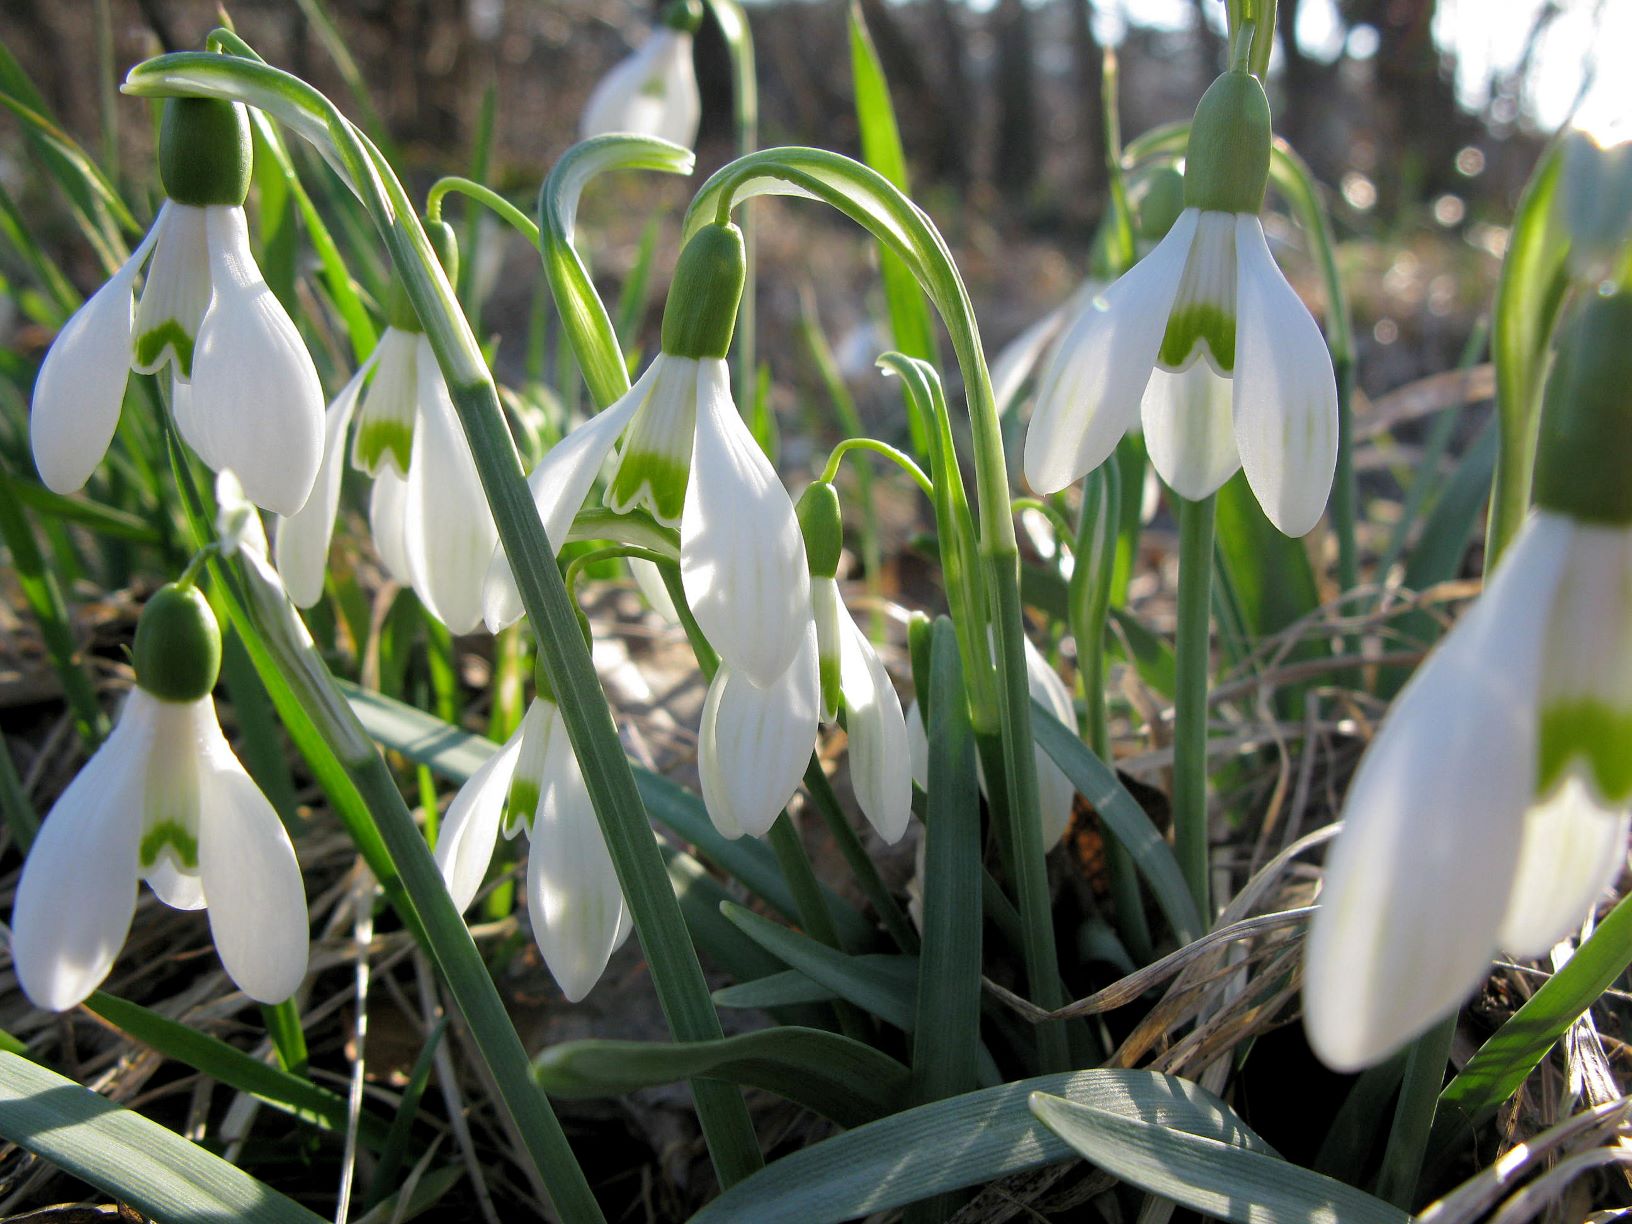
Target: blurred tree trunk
1300,78
1015,162
1214,54
956,97
1090,63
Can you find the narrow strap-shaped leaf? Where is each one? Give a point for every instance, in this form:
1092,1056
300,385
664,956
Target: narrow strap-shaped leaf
789,987
843,1080
1125,818
947,1030
294,1095
962,1141
1212,1176
125,1155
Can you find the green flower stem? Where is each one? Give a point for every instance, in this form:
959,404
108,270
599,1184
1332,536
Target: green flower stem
739,43
676,974
900,458
1193,661
873,202
508,212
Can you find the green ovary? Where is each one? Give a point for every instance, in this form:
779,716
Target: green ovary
168,334
376,437
1196,324
170,833
655,479
1592,729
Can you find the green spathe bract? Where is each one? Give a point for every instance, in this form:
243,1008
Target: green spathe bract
1226,165
205,156
1586,421
178,645
701,312
822,524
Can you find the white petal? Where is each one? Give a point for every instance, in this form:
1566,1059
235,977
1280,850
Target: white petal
1589,634
252,882
1574,847
1014,364
177,292
651,93
880,770
238,525
78,888
1417,883
81,383
447,526
742,557
1285,392
1055,794
754,743
650,581
300,543
573,896
387,523
1189,431
255,390
559,485
470,830
174,885
1090,391
917,746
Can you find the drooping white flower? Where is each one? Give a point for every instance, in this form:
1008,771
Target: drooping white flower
429,517
248,396
1209,295
687,457
1055,794
651,93
754,742
573,898
1491,810
163,799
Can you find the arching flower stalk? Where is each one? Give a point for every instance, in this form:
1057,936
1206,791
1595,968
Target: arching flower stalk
1492,809
654,91
163,799
533,783
247,397
1204,342
427,513
687,457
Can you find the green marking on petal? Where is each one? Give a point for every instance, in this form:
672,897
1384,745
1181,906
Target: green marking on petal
151,344
1587,728
520,804
832,692
170,833
1199,324
651,479
378,436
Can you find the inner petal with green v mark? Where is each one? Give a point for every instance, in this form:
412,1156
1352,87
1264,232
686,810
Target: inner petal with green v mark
176,294
654,465
520,805
175,836
1593,731
1201,322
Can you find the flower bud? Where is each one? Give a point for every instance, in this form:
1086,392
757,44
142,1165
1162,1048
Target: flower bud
1227,162
1595,198
1160,204
1586,420
178,645
701,312
685,16
205,156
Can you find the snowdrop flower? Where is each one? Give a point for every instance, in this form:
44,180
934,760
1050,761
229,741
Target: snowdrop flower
687,457
1055,794
163,799
247,395
654,91
1204,341
534,783
428,515
1491,811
